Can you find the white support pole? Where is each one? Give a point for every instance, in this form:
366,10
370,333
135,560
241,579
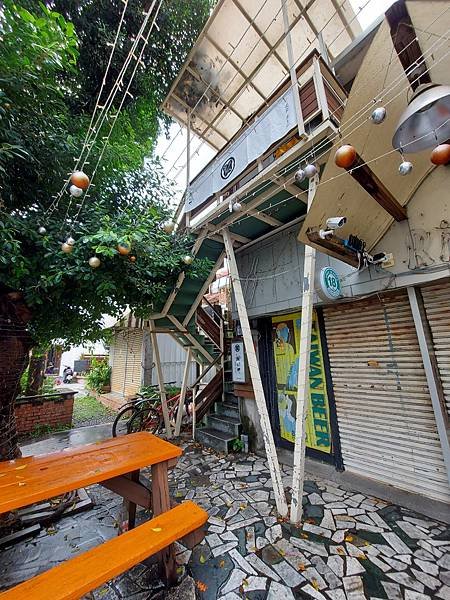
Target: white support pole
303,372
433,381
162,389
188,167
269,444
292,71
184,386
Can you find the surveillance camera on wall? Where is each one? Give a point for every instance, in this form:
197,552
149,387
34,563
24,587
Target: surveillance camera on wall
336,222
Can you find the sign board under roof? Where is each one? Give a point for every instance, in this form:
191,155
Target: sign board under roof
240,59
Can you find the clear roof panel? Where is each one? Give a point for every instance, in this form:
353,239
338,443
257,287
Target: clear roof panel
240,59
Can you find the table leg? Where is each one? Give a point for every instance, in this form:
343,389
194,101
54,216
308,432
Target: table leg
128,519
161,503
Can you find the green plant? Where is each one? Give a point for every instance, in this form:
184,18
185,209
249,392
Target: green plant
99,375
237,445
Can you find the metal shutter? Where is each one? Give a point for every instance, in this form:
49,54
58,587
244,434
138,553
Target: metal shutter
436,299
127,362
385,417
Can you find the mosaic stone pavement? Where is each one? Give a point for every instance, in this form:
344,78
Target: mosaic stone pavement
351,546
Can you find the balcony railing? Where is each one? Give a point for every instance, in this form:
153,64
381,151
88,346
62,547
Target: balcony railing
322,99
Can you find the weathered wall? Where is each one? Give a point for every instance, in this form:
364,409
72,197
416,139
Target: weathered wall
271,271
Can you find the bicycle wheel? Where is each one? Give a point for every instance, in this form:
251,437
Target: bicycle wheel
120,425
147,419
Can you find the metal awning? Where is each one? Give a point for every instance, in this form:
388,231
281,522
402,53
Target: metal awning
240,59
339,194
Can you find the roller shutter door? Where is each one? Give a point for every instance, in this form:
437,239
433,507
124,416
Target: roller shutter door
384,410
126,373
436,299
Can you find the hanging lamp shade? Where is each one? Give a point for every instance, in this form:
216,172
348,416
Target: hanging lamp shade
426,121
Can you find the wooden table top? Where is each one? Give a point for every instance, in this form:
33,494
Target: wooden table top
35,478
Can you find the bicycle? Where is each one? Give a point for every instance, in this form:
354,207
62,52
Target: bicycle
152,419
142,401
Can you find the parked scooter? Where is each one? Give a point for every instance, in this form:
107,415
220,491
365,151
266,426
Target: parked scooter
67,375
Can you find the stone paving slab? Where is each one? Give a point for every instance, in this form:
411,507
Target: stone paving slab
351,546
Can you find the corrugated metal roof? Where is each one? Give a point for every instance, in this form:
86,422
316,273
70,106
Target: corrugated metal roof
240,59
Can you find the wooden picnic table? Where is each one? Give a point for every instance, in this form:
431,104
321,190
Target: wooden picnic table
114,463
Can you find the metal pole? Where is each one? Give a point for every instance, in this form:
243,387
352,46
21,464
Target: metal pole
433,381
292,71
303,372
269,444
162,389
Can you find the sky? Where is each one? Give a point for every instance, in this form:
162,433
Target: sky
172,150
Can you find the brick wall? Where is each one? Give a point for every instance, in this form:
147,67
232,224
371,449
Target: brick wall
52,410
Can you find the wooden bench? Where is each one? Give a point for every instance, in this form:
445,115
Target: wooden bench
72,579
115,464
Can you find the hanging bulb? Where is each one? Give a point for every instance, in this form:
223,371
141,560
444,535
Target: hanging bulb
75,191
310,171
188,259
132,258
94,262
405,167
168,226
42,231
237,207
124,248
441,155
80,180
345,156
300,176
70,241
378,115
66,248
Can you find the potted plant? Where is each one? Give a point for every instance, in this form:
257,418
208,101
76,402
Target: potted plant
99,376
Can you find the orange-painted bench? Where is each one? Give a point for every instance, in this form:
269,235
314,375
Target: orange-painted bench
114,463
72,579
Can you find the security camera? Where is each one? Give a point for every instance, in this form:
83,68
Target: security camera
377,259
325,234
336,222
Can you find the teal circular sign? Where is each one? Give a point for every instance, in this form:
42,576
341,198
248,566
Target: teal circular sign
330,283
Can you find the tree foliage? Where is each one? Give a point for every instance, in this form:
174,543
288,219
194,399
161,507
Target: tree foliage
52,61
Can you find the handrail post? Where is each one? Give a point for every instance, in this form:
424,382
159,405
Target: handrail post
162,389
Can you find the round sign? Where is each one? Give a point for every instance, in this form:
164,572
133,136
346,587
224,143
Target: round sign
227,167
330,284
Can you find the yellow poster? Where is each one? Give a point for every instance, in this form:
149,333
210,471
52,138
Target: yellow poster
286,342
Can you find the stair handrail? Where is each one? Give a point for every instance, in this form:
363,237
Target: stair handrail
197,381
209,326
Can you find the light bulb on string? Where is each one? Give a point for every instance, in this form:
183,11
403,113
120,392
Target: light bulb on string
75,191
42,230
299,175
378,115
345,156
168,226
188,259
66,248
440,155
80,180
123,248
310,171
94,262
237,207
70,241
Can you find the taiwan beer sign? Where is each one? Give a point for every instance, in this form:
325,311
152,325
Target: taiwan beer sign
286,343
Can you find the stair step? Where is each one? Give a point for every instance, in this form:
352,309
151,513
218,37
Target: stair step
214,438
227,410
223,423
230,398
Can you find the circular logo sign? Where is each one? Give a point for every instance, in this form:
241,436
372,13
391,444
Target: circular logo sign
330,283
227,167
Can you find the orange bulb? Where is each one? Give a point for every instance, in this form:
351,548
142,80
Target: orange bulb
123,249
441,154
345,156
132,258
80,179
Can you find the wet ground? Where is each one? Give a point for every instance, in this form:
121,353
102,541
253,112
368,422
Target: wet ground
351,546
